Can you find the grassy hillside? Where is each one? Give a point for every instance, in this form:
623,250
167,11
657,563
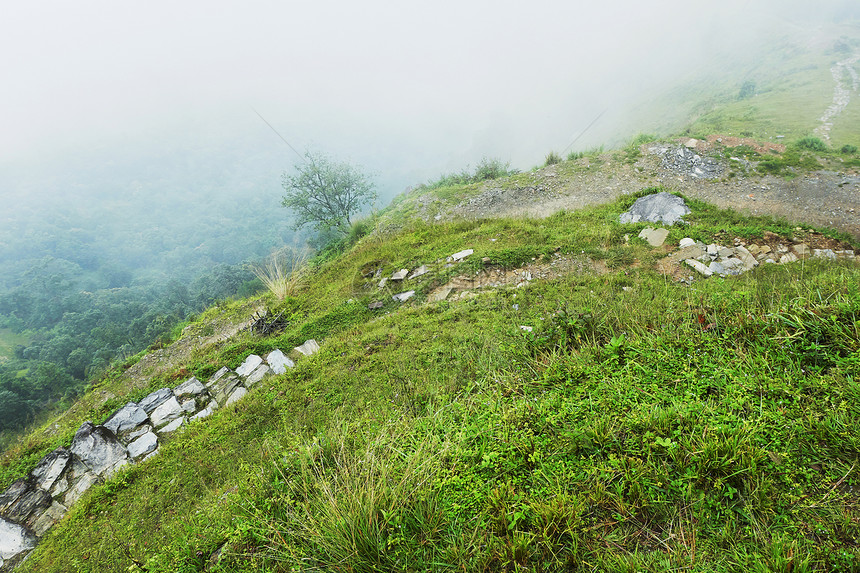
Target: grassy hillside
642,424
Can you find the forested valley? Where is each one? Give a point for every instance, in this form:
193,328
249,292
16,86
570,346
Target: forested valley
98,261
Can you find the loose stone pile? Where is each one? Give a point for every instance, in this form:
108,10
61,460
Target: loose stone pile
685,161
713,259
33,504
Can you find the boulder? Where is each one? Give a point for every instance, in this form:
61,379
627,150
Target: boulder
15,542
166,413
155,399
143,445
249,365
656,208
279,362
126,418
49,470
98,448
23,501
687,242
191,387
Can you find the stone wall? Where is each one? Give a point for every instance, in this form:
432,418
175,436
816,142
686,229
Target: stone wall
33,504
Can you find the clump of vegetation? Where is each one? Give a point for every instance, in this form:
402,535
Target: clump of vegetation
551,159
487,169
812,144
848,149
747,90
283,271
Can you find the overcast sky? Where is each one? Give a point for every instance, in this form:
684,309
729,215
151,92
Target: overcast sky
439,83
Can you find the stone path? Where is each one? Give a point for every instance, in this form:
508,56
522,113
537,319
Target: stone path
841,94
33,504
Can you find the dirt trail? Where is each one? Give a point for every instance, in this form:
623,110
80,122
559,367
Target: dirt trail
823,198
841,94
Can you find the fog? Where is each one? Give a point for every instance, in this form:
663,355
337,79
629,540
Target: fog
408,89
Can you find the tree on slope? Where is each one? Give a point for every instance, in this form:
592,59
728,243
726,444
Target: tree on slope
326,193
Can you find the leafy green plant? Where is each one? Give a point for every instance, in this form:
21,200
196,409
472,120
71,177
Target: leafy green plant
812,144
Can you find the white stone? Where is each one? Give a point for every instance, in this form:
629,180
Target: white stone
143,445
172,426
526,328
167,412
217,376
258,374
400,275
404,296
687,242
237,395
309,347
249,365
279,362
14,540
207,411
85,482
189,406
191,387
460,255
422,270
126,418
824,254
155,399
702,269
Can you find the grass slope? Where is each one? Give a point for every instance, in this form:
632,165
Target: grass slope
641,425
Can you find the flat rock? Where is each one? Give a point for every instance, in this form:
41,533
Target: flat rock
824,254
686,242
79,487
166,413
746,257
258,374
172,426
439,294
191,387
237,395
249,365
699,267
215,378
460,255
656,208
655,237
404,296
225,386
189,406
422,270
205,412
400,275
51,516
376,305
49,470
383,282
309,348
155,399
126,418
98,448
279,362
143,445
802,250
15,541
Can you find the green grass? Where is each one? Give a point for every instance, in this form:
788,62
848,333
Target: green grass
641,424
8,341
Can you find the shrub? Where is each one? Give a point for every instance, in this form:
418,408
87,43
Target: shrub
812,144
849,149
551,159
